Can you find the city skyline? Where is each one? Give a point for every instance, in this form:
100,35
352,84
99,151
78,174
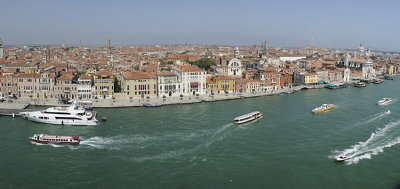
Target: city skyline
341,25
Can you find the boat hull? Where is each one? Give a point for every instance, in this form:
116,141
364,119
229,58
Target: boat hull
53,142
257,117
323,110
62,122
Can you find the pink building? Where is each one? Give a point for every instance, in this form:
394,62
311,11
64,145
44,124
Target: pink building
240,85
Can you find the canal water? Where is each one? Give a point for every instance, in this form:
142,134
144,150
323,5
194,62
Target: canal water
197,146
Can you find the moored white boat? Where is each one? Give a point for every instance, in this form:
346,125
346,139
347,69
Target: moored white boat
72,115
384,101
248,117
54,139
323,108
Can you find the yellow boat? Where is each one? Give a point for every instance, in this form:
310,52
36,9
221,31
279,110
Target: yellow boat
323,108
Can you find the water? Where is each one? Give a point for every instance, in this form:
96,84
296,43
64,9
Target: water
197,146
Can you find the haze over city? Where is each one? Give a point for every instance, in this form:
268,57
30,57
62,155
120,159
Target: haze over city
333,24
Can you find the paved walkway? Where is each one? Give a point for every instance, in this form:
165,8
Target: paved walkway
111,103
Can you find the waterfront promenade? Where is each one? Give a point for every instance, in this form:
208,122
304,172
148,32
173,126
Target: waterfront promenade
116,103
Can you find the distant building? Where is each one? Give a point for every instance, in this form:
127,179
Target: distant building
235,67
104,84
192,79
85,86
168,84
1,50
139,85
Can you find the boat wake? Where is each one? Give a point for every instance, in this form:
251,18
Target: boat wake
212,137
373,118
174,145
382,138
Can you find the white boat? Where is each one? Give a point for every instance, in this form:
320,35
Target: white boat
248,117
54,139
342,158
72,115
384,101
388,112
323,108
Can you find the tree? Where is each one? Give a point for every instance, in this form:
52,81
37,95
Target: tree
117,85
204,63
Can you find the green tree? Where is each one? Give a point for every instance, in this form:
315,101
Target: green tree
204,63
117,85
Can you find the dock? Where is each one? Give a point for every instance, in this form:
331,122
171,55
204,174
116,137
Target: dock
13,112
12,109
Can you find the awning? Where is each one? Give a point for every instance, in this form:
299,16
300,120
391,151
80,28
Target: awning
194,83
320,82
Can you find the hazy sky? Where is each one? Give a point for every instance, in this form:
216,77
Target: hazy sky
333,24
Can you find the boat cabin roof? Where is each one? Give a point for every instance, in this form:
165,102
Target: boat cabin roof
247,115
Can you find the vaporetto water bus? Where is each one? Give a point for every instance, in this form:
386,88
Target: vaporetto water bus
323,108
72,115
248,117
54,139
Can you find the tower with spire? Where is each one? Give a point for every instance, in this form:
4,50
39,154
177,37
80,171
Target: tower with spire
265,48
108,44
236,52
312,44
1,49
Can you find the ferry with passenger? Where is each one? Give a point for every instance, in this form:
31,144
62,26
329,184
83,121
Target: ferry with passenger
323,108
384,101
54,139
248,117
72,115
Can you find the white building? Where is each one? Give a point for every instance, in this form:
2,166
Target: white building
291,57
85,86
192,79
368,69
235,67
168,84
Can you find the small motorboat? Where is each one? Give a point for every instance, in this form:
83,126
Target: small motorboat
152,105
342,158
388,112
384,101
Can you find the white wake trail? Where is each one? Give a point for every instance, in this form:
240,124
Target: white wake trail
380,139
373,118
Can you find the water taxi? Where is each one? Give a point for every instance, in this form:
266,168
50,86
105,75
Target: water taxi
54,139
388,77
360,84
384,101
323,108
248,117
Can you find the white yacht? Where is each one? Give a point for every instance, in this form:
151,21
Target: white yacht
384,101
72,115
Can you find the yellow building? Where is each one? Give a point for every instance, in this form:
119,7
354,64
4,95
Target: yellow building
253,85
225,83
211,85
310,78
104,84
139,85
390,70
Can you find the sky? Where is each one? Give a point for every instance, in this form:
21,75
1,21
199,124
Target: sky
289,23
